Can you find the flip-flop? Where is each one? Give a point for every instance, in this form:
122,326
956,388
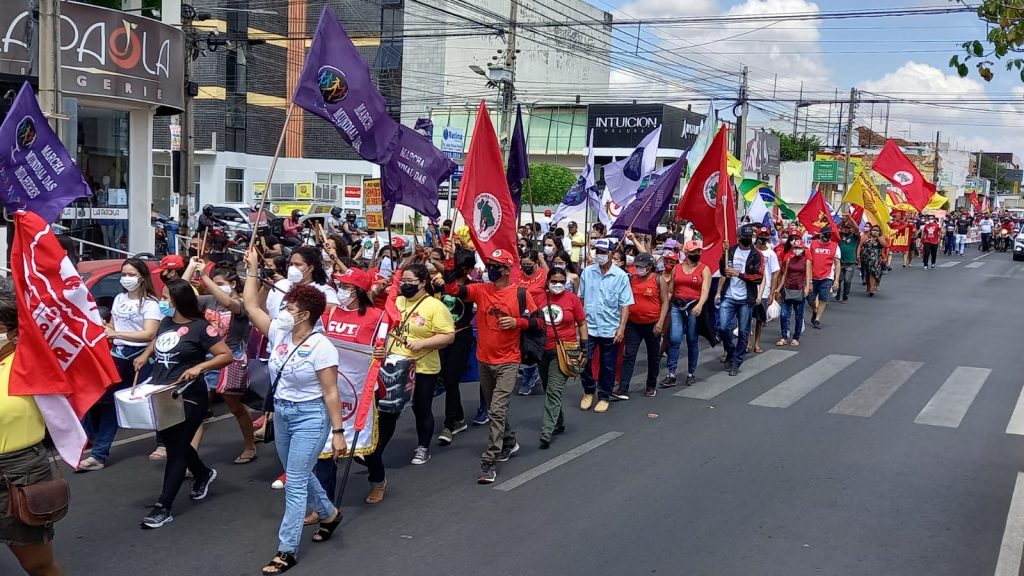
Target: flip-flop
245,459
758,350
158,455
781,342
795,343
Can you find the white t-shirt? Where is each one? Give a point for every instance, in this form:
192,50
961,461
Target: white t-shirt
299,381
771,266
737,287
986,226
275,300
130,315
567,244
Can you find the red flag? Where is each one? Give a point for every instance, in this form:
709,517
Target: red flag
484,200
975,202
815,215
63,358
710,201
857,215
899,170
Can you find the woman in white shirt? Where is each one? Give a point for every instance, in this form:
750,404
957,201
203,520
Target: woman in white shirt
307,408
134,318
305,267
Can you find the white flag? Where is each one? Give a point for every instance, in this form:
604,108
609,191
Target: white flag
578,196
624,176
758,212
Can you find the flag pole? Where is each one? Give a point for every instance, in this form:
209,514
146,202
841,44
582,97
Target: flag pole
533,215
273,165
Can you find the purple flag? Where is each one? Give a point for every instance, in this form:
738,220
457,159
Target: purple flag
37,174
412,175
518,162
653,197
426,127
335,85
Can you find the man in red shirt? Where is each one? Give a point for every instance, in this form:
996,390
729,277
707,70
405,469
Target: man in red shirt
930,235
499,322
824,274
645,324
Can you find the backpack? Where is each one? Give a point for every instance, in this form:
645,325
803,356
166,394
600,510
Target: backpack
531,340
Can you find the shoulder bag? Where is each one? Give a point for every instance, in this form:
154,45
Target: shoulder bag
40,504
571,358
531,340
398,375
791,295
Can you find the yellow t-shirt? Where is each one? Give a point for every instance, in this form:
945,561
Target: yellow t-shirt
21,424
577,237
421,320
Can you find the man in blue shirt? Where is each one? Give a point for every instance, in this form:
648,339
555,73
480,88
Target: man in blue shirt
606,295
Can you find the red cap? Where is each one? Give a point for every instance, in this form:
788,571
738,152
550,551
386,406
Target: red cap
171,262
693,245
796,243
547,212
502,257
670,256
398,243
355,277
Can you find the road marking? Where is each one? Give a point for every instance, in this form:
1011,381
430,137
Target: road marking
145,435
873,392
1016,425
982,256
804,382
949,405
975,265
948,264
1013,534
517,481
722,382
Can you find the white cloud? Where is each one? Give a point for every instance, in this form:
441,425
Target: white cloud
665,8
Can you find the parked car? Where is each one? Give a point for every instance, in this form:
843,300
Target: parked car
103,279
1018,245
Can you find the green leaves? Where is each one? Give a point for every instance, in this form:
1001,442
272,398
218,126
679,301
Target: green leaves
550,182
1004,20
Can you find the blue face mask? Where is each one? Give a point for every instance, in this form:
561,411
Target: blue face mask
166,309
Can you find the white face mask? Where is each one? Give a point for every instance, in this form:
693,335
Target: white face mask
295,275
285,321
326,256
225,289
549,250
556,288
798,251
345,298
630,259
130,283
601,259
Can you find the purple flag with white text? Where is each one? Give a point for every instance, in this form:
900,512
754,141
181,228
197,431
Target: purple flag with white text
518,162
36,172
412,175
335,85
653,197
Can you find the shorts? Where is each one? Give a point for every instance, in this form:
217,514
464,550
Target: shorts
820,289
28,466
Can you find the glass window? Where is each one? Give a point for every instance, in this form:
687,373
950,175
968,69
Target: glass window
282,191
234,185
162,188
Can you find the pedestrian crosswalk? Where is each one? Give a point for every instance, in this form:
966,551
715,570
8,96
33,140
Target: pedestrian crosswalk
951,263
946,408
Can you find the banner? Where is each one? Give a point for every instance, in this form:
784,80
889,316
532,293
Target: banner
656,191
518,161
412,175
357,384
373,204
899,239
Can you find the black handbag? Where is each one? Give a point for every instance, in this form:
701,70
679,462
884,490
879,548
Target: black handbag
531,340
792,295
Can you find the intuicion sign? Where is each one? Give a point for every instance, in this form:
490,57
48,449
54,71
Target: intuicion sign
103,53
625,125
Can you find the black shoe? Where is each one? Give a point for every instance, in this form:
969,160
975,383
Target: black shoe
487,473
669,381
545,441
620,393
200,488
157,517
650,392
816,325
508,452
691,380
559,428
733,369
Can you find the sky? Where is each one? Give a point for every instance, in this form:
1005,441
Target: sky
904,57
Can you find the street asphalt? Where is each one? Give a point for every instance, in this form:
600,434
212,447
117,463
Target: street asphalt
880,446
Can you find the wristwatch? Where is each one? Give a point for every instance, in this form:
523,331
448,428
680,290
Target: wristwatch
338,431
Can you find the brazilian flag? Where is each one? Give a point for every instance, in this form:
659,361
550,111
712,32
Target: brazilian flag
750,187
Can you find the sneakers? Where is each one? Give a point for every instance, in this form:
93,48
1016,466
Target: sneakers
201,487
90,464
508,452
650,392
559,428
279,483
487,473
602,407
690,380
587,402
545,441
448,434
620,393
481,418
156,518
669,381
733,369
816,324
421,455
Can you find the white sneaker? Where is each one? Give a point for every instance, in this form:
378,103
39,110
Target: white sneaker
90,464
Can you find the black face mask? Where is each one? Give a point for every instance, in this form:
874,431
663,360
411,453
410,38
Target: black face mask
826,237
409,290
528,269
745,242
494,273
693,258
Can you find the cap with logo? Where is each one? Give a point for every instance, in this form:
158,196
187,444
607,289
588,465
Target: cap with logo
604,244
644,260
355,277
693,246
745,231
171,262
502,257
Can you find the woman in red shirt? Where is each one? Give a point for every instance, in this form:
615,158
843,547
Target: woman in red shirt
563,317
691,281
645,324
796,280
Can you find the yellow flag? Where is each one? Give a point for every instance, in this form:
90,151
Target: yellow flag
735,168
936,202
864,193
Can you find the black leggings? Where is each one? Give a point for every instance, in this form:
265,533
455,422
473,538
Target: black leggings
178,441
422,407
930,252
454,360
386,424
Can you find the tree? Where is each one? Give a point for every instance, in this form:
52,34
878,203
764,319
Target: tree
550,182
992,170
1005,22
795,148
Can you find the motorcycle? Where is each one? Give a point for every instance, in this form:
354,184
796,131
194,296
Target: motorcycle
1003,241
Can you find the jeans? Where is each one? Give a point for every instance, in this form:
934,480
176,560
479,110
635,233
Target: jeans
986,241
961,243
553,380
950,242
931,251
635,335
180,453
301,430
732,312
101,421
820,289
422,407
789,309
607,352
682,322
386,424
526,378
454,360
845,279
498,381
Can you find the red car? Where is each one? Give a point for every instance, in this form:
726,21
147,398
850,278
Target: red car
103,279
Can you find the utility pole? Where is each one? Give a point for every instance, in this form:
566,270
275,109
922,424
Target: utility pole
508,90
851,112
935,168
49,62
186,176
796,109
741,127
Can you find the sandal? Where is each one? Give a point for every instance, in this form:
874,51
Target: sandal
310,519
258,436
794,343
158,455
758,350
326,529
781,342
281,563
376,495
245,459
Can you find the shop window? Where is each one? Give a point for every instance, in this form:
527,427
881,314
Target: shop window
282,191
162,188
234,185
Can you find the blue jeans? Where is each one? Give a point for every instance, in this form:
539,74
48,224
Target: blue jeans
607,352
101,421
731,312
789,309
682,322
301,430
820,289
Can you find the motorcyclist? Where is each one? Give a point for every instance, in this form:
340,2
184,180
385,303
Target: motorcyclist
349,230
334,223
293,229
208,220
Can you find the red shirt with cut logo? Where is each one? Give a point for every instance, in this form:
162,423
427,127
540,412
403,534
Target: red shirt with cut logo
930,233
823,256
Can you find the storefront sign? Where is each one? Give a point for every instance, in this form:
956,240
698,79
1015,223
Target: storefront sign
74,213
104,52
622,125
373,204
826,171
175,137
352,198
258,188
452,139
303,190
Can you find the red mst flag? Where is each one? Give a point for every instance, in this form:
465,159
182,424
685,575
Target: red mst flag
484,200
899,170
975,202
710,201
857,215
815,215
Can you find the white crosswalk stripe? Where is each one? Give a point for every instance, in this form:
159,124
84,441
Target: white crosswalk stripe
1016,424
804,382
975,265
949,405
948,264
869,396
722,382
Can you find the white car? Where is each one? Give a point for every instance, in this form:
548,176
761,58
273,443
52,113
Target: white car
1018,245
